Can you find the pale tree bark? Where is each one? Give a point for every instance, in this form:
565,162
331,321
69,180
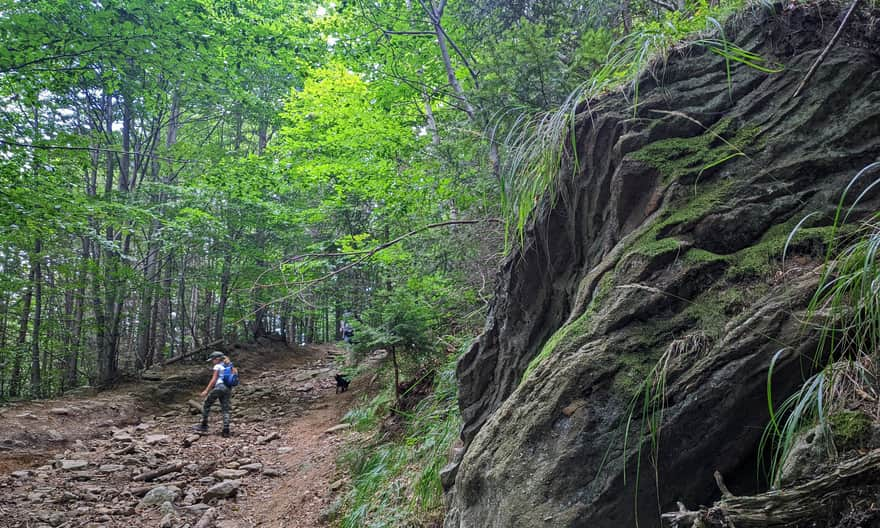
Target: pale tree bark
435,15
225,277
164,309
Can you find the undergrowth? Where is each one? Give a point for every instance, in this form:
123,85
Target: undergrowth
845,311
542,145
395,479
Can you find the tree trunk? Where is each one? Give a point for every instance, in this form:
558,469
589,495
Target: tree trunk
431,122
146,310
447,63
181,305
36,263
15,379
225,276
393,350
164,310
76,330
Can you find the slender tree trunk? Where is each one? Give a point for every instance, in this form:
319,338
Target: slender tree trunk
164,310
431,122
396,375
154,314
76,330
225,276
435,14
181,305
23,324
626,15
67,337
36,263
262,136
146,309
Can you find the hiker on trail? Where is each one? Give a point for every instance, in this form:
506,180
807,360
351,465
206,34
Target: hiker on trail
347,332
218,389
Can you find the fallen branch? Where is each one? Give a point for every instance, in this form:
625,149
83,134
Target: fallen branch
827,49
175,359
363,256
786,507
156,473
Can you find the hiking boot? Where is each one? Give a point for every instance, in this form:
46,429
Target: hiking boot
201,428
225,433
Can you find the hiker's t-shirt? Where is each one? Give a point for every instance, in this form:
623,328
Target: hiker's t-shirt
219,369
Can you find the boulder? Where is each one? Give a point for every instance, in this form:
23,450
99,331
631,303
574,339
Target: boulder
159,495
255,467
222,490
664,260
226,473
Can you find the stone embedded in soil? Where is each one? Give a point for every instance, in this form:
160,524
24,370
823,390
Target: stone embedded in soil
156,439
284,450
72,465
167,508
256,466
111,468
61,411
160,494
227,488
21,474
122,436
54,436
268,438
273,472
229,473
198,508
337,428
167,521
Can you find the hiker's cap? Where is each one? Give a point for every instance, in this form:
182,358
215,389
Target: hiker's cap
215,354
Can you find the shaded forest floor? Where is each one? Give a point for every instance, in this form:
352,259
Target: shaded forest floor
85,460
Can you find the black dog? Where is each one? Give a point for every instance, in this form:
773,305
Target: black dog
341,384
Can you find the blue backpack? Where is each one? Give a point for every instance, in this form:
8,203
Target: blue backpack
229,375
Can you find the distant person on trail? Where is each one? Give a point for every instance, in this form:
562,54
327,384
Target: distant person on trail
347,332
215,390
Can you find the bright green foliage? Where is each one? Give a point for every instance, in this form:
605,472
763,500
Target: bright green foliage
844,308
397,482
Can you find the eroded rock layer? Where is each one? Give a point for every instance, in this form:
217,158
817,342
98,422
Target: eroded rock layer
667,243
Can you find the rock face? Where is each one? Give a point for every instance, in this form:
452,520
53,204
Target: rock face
665,246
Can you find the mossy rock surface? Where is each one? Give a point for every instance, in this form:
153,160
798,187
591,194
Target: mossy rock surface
851,429
671,233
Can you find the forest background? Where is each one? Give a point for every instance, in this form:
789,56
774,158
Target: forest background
181,174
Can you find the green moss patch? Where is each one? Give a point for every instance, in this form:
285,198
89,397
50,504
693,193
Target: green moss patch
762,258
678,158
850,429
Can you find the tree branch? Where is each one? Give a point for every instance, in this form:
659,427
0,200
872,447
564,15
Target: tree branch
91,149
827,49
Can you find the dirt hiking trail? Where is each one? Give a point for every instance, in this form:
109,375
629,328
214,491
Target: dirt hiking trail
129,456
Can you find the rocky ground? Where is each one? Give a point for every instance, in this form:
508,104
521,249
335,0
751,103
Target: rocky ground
118,459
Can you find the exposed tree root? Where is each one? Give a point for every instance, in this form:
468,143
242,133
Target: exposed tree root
788,507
